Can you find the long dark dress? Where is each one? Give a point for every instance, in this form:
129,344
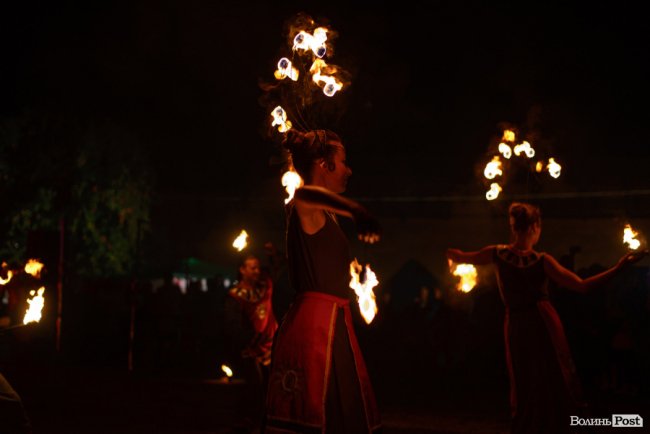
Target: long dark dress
544,389
318,380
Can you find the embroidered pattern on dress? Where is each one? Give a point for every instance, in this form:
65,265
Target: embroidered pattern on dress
521,261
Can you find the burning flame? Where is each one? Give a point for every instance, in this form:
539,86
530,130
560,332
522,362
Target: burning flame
525,148
508,136
629,237
226,370
493,192
10,274
505,150
329,83
315,43
539,167
365,296
286,69
34,268
36,303
280,119
241,241
553,168
291,181
467,274
493,168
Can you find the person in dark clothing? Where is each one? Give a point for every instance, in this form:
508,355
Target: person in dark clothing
13,419
544,389
319,381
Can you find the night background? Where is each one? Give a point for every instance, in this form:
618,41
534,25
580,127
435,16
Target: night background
135,145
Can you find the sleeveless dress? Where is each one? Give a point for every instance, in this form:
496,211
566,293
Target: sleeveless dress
318,381
544,389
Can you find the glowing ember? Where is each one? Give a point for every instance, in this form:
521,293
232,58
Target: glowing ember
525,148
10,274
291,181
365,296
505,150
280,119
629,237
226,370
467,274
494,191
34,268
553,168
539,167
286,69
508,136
321,75
36,303
241,241
493,168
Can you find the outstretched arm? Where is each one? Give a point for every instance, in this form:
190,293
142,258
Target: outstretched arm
481,257
311,200
570,280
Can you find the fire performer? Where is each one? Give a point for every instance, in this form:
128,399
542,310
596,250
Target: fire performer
319,381
544,388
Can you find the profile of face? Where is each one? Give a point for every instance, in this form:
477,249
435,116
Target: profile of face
250,271
336,173
536,231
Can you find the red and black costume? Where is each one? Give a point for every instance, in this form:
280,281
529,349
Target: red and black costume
318,381
256,306
544,388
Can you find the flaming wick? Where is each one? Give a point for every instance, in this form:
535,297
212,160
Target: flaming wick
365,295
241,241
467,274
33,313
629,237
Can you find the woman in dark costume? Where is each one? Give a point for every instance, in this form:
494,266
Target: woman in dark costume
544,389
318,381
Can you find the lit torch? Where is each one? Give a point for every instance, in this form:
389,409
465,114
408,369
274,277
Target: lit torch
322,75
525,148
316,42
286,69
365,296
36,303
280,119
629,237
505,150
10,274
553,168
291,181
493,192
493,168
241,241
34,268
226,370
508,136
467,274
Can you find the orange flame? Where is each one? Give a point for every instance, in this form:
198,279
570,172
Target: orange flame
554,168
226,370
493,192
493,168
241,241
467,274
36,303
291,181
508,136
365,295
321,75
316,42
10,274
280,119
34,268
629,237
539,166
286,69
525,148
505,150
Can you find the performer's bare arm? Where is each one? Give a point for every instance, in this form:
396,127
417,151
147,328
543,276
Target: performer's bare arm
481,257
570,280
311,201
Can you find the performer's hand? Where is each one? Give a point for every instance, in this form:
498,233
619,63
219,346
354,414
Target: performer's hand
631,258
368,228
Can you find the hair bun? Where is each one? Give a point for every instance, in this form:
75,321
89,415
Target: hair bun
293,140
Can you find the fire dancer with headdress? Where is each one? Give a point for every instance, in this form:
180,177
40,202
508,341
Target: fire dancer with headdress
319,381
544,389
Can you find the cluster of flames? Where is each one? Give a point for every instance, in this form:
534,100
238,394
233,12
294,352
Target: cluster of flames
507,147
241,241
629,238
467,274
36,301
365,295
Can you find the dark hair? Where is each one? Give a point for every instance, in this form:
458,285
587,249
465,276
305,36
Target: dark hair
305,148
242,262
523,216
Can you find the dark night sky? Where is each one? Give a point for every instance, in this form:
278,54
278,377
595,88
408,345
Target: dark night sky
429,88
